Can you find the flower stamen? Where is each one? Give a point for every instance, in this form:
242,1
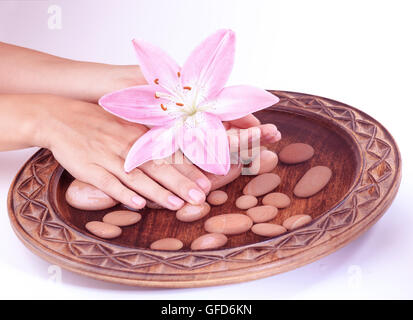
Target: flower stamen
179,74
156,81
163,107
179,104
187,88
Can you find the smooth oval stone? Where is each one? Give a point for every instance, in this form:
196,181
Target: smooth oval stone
262,213
209,241
103,230
245,202
191,212
122,218
277,199
268,229
312,181
230,223
84,196
217,197
296,221
167,244
296,153
266,162
153,205
218,181
262,184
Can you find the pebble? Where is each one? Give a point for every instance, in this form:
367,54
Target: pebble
262,184
296,221
217,197
268,229
277,199
191,212
103,230
262,213
167,244
296,153
209,241
84,196
122,218
266,162
230,223
312,181
245,202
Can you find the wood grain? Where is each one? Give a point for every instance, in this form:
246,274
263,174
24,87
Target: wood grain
366,166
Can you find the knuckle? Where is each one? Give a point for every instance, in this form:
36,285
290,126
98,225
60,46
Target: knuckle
106,181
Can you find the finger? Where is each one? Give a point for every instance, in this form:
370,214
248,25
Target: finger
220,181
270,133
109,184
173,180
246,122
189,170
138,181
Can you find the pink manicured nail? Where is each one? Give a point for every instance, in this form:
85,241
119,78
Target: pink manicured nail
203,183
139,201
196,195
175,201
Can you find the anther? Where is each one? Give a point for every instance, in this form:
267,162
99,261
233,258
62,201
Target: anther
179,74
163,107
156,81
187,88
179,104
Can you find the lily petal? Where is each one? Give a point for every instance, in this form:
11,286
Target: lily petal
238,101
157,143
206,144
210,64
156,65
137,104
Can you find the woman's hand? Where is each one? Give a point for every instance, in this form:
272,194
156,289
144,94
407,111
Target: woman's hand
92,144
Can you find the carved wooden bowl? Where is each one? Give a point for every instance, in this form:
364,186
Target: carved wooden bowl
366,167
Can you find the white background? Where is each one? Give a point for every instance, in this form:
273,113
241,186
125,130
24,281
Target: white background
357,52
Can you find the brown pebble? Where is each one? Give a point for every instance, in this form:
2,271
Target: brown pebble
296,221
312,181
191,212
262,184
266,162
268,229
230,223
262,213
84,196
209,241
296,153
277,199
167,244
122,218
245,202
103,230
217,197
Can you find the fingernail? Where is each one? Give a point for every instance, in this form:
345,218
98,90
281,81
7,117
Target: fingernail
203,183
196,195
139,201
175,201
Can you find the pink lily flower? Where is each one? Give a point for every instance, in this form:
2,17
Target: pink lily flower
185,106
